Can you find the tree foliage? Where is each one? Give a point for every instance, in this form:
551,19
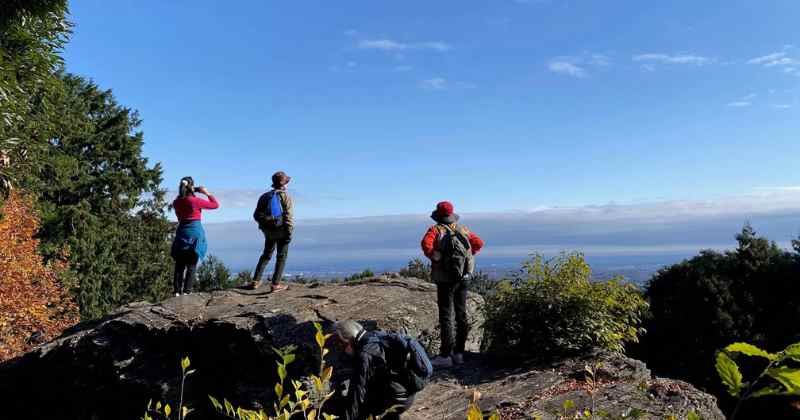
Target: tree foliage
32,34
34,304
79,152
555,309
750,294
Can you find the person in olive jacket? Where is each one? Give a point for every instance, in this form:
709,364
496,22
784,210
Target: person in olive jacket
274,215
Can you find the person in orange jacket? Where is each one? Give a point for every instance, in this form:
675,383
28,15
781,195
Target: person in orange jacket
451,248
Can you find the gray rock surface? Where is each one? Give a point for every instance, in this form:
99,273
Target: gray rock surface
623,388
110,368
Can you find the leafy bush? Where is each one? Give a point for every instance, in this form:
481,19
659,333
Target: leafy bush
418,269
213,274
554,309
34,304
359,276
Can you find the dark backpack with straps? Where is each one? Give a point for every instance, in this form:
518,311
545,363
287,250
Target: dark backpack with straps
456,252
407,359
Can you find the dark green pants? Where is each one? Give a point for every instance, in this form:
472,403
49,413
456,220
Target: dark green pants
278,239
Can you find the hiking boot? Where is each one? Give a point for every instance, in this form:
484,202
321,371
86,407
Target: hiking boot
458,359
440,362
278,287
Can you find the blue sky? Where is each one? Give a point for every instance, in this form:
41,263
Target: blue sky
380,108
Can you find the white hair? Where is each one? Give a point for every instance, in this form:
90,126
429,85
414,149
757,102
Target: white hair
348,330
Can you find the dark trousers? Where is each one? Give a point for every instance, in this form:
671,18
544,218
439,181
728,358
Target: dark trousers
185,267
377,402
452,298
279,239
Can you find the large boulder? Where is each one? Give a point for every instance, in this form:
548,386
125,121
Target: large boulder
110,368
608,385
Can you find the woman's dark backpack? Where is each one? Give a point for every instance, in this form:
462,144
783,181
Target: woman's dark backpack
408,360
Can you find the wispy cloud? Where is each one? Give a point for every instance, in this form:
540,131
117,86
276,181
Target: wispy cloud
566,68
389,45
744,101
774,59
690,59
436,83
578,65
779,60
403,68
782,106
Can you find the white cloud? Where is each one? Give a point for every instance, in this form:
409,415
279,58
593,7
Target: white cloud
578,65
781,106
436,83
382,44
599,60
351,32
766,59
673,59
394,46
567,68
436,46
739,104
777,59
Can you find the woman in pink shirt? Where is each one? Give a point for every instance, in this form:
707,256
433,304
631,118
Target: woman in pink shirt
190,244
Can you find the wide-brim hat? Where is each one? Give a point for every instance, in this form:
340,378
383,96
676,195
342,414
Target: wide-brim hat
445,213
279,179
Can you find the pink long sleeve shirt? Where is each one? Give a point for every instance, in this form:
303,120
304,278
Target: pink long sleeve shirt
190,208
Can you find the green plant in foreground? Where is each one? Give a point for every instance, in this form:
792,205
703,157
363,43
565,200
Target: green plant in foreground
305,400
165,411
778,378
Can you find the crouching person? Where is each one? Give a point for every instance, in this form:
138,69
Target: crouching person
388,369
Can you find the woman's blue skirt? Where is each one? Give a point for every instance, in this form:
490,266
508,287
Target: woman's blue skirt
190,236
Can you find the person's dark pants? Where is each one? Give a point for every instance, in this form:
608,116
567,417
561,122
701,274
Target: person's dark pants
452,299
279,239
377,403
397,396
185,268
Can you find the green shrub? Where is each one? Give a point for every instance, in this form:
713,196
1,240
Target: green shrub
418,269
213,274
554,309
359,276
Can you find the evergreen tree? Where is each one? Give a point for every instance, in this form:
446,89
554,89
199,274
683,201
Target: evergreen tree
102,200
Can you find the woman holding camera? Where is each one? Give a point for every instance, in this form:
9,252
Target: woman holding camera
190,244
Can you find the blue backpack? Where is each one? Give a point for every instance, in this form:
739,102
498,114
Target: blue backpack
276,209
408,359
269,211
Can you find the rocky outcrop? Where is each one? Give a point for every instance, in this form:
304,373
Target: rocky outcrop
617,387
110,368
